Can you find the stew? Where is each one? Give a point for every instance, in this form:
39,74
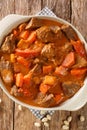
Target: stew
43,62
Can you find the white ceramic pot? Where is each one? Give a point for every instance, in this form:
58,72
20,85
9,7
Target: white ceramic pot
72,104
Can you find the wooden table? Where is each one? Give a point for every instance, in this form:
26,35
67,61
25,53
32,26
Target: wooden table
74,11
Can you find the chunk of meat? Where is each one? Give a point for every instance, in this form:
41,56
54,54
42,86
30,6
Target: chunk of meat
69,32
14,90
8,45
34,23
46,100
47,34
80,62
7,76
48,51
70,88
4,64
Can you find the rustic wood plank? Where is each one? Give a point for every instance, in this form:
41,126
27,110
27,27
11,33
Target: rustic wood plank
6,7
27,7
79,20
79,16
60,7
7,106
24,120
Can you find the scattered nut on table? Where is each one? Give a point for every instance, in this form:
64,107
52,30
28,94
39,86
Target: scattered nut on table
69,119
44,119
0,100
43,112
82,118
46,124
65,127
66,122
37,124
19,107
48,117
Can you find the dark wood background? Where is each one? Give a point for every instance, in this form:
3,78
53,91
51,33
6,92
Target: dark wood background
74,11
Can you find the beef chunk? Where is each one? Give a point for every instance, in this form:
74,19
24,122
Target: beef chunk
4,64
70,88
69,32
48,51
45,100
80,62
48,34
34,23
9,44
6,71
7,76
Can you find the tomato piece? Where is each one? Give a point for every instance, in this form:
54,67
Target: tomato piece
79,48
69,60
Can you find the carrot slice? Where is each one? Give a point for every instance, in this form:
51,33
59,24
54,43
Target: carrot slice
23,61
32,37
28,53
79,72
69,60
79,48
27,79
58,98
19,80
23,44
44,88
24,34
60,70
47,69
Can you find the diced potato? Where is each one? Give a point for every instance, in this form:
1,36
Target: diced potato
50,80
12,58
22,44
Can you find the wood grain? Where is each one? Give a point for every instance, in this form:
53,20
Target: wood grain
6,111
60,7
79,16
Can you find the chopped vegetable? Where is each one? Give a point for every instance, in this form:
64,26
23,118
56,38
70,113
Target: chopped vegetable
44,88
27,79
61,70
32,37
23,61
24,34
19,80
47,69
23,44
69,60
59,98
27,53
50,80
79,48
79,72
12,58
